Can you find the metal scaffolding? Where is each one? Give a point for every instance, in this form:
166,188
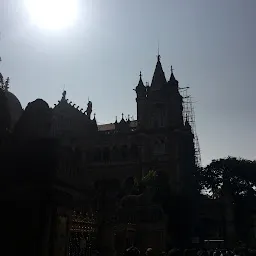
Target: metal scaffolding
189,115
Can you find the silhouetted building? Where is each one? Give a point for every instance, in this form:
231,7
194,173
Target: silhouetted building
159,139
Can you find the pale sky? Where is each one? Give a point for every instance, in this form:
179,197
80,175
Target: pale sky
211,45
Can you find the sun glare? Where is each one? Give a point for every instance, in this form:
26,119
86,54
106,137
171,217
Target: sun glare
52,14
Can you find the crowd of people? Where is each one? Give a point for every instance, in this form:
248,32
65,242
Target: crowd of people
133,251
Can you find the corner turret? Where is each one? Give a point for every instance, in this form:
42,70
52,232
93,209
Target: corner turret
140,89
141,100
172,80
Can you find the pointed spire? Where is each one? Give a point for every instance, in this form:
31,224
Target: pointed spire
122,120
159,77
94,122
140,81
172,78
128,120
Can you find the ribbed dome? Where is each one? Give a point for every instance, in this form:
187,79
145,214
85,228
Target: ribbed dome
15,107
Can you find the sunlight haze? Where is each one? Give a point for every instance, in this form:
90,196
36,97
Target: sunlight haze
52,14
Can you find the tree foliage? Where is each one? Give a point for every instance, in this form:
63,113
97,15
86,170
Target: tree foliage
5,118
235,177
237,173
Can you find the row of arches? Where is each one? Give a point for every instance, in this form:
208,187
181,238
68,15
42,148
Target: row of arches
114,154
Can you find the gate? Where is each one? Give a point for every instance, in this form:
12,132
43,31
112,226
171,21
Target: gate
83,231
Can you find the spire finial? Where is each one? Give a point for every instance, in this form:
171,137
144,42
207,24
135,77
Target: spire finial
172,69
89,109
122,115
64,93
140,75
158,51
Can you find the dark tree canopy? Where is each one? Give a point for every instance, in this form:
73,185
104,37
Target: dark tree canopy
235,178
236,173
5,117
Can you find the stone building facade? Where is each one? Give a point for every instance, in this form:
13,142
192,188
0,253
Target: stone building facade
159,139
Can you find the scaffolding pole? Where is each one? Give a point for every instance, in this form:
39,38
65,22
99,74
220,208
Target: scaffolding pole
189,115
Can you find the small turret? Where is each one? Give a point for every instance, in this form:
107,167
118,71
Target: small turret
122,126
122,120
172,80
141,99
95,121
141,89
89,109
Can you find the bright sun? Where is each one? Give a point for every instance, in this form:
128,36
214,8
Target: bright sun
52,14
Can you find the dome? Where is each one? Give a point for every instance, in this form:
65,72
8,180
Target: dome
37,104
14,106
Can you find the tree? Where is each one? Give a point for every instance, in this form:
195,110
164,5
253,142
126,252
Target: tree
4,83
238,174
5,117
235,178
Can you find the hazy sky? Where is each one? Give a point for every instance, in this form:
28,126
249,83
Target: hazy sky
211,45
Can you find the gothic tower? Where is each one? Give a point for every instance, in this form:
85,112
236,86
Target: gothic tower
168,140
159,105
